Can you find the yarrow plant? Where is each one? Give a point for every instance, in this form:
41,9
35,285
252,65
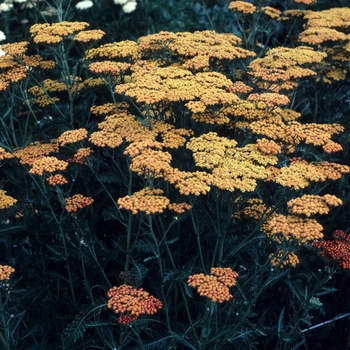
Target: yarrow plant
174,191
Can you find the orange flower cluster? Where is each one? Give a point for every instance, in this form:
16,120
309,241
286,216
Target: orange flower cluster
47,164
56,180
179,207
337,249
15,49
76,202
282,259
35,150
216,285
280,227
6,201
132,303
5,272
54,33
271,99
313,204
80,156
4,154
149,201
72,136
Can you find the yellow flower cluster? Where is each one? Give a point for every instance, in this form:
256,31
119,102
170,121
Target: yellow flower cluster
198,50
299,173
289,60
5,272
241,6
89,35
54,33
268,146
6,201
271,99
148,201
313,204
280,227
216,285
15,49
282,260
196,183
132,303
109,67
126,49
72,136
76,202
47,164
272,12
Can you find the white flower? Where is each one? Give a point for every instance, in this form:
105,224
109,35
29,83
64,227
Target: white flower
129,6
5,7
19,1
85,4
120,2
2,36
2,53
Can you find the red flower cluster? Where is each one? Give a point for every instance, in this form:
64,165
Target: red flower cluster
131,303
337,249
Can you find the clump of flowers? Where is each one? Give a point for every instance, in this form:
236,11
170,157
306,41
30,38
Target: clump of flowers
76,202
216,285
72,136
5,272
337,249
47,164
148,201
6,201
132,303
313,204
283,260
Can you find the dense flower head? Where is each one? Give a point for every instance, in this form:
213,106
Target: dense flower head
89,35
6,201
254,208
300,173
148,201
56,180
126,49
337,249
35,150
302,230
109,67
81,155
216,285
282,259
54,33
241,6
15,49
72,136
198,50
76,202
132,303
179,208
47,164
4,154
313,204
5,272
